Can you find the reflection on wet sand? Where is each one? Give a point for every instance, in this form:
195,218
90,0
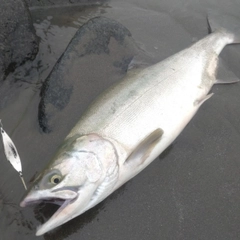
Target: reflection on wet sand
196,168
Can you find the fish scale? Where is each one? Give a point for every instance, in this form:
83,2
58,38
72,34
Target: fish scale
129,125
152,91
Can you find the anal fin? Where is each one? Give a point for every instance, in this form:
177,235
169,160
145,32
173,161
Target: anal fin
225,75
228,81
199,102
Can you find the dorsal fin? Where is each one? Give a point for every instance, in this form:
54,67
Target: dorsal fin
144,148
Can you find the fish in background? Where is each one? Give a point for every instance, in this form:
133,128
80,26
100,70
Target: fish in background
130,124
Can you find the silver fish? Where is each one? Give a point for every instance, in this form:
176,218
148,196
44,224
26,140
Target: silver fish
129,125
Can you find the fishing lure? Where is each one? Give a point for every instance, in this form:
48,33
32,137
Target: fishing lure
11,153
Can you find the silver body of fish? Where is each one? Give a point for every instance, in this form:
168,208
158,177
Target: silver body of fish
128,126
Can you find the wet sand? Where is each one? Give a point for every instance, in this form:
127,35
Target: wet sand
190,192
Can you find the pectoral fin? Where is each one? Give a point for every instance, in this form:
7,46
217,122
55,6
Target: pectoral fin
144,148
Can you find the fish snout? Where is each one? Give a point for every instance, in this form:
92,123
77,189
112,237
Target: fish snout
35,197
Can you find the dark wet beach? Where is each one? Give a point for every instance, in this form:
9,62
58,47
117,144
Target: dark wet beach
191,191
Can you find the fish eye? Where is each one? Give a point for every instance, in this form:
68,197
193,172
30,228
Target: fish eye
55,179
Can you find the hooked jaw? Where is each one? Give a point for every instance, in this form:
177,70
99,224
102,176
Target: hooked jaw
72,206
59,216
34,197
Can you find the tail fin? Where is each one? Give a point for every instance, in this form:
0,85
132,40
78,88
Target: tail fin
228,24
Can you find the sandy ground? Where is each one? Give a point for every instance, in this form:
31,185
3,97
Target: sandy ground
191,191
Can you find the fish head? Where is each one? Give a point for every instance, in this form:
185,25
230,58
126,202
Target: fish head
80,168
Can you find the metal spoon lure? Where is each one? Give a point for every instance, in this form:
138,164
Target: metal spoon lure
11,153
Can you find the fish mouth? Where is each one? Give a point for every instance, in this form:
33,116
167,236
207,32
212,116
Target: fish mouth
55,197
55,201
62,213
41,229
72,203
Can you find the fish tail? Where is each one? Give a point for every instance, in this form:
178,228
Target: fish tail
225,23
